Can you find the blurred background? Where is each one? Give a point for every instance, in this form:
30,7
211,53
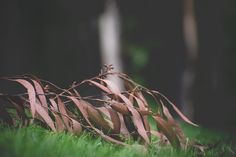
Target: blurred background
185,49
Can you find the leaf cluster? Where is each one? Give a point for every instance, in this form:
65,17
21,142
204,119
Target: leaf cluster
115,115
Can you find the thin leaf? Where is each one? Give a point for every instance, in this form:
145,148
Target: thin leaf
85,114
102,87
167,131
58,121
40,92
63,111
111,86
96,118
44,115
120,107
178,111
136,119
31,93
115,120
77,129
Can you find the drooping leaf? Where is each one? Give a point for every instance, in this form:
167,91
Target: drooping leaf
58,120
64,113
136,119
76,127
167,130
40,93
45,116
120,107
178,111
115,120
102,87
96,118
31,93
111,86
116,117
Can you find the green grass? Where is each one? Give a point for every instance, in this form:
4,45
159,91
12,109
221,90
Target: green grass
38,142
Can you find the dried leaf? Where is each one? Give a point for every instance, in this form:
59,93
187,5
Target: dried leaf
115,120
40,92
167,130
111,86
31,93
96,118
120,107
123,129
177,110
81,108
77,129
63,111
136,119
44,115
102,87
58,121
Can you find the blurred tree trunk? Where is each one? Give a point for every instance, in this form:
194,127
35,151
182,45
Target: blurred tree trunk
213,105
191,44
109,29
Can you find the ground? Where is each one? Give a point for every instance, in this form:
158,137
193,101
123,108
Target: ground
39,142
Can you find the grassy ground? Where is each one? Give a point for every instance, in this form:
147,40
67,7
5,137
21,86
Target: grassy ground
38,142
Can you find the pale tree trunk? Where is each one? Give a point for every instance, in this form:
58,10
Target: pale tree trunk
191,44
109,31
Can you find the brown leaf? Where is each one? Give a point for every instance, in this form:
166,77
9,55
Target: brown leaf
62,109
40,92
95,117
139,95
182,116
167,130
58,121
77,129
45,116
104,111
123,129
147,126
143,110
111,116
102,87
31,93
115,120
136,117
85,114
179,132
120,107
111,86
81,108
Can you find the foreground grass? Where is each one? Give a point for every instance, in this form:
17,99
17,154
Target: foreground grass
38,142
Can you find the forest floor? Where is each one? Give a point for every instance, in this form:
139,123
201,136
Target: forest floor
39,142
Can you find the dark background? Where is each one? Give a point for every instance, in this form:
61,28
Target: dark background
59,41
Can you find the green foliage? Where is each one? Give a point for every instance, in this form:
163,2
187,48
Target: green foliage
39,142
